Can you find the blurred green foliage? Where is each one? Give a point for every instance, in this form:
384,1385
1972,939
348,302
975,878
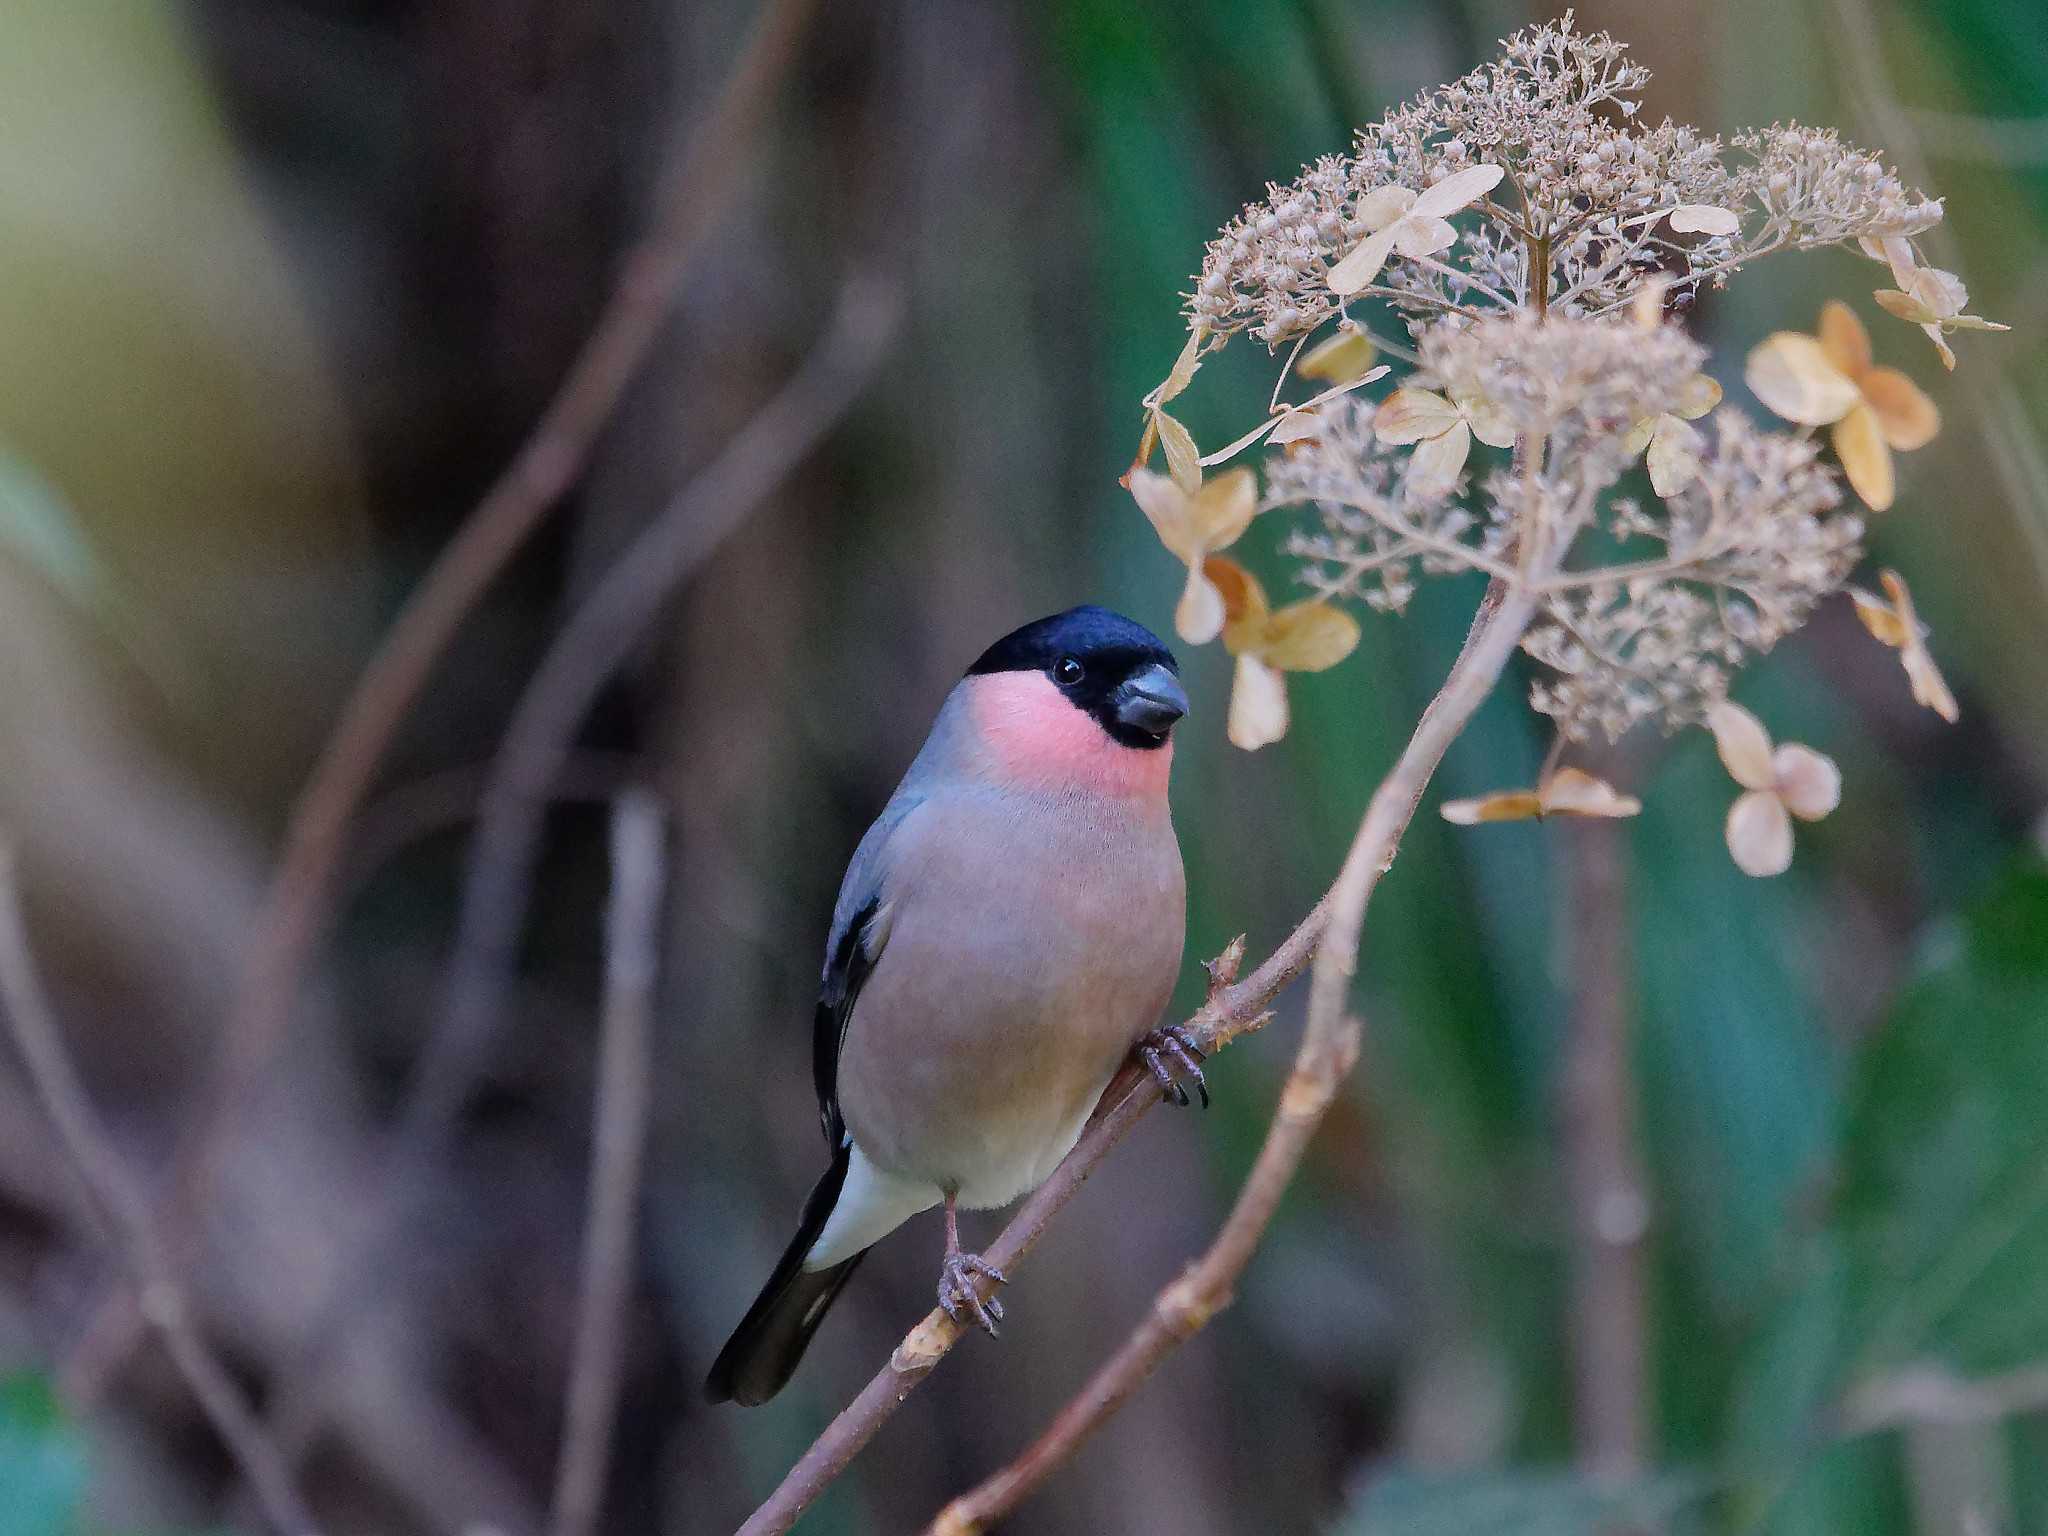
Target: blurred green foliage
42,1461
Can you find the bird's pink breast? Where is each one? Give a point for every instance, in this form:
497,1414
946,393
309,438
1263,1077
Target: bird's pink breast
1036,738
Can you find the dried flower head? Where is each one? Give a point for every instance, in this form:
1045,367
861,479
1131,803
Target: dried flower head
1540,243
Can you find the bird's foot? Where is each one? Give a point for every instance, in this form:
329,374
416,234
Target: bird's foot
1171,1055
961,1298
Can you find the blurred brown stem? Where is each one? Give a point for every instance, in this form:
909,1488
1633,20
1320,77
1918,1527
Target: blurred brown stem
163,1305
592,645
1604,1180
1329,1047
300,894
618,1136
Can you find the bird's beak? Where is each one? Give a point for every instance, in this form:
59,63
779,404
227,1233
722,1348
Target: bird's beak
1150,701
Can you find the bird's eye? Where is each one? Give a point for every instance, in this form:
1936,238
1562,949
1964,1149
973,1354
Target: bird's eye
1068,672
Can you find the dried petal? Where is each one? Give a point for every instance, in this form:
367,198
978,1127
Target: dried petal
1879,617
1185,365
1793,377
1309,636
1167,507
1183,458
1674,455
1337,359
1859,444
1225,508
1417,236
1410,415
1490,423
1940,293
1198,616
1895,251
1357,270
1744,744
1574,792
1501,805
1760,834
1930,688
1704,219
1904,305
1647,307
1245,609
1258,705
1697,396
1296,427
1906,416
1808,781
1843,338
1382,206
1458,190
1434,467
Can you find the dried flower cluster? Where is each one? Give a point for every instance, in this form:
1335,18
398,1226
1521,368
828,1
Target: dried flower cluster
1541,245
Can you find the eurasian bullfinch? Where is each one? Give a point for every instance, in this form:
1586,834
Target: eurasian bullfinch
1009,930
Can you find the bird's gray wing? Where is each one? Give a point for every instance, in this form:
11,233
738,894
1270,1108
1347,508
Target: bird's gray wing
860,930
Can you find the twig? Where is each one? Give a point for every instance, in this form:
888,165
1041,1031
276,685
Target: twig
1603,1172
593,644
619,1131
597,638
1329,1047
297,903
121,1200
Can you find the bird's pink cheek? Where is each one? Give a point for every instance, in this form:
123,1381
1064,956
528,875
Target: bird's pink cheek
1035,738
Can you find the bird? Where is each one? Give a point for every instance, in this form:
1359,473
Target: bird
1008,933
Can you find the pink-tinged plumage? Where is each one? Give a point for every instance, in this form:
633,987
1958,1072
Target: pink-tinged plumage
1008,928
1036,739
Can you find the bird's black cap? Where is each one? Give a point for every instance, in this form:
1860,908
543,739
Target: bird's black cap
1093,635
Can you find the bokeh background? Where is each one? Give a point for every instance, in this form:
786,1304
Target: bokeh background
283,285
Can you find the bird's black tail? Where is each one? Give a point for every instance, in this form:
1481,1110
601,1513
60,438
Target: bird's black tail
763,1352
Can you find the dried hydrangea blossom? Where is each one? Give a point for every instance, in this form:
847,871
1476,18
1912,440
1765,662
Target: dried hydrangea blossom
1537,239
1590,201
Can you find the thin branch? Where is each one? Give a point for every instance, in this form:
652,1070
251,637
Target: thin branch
1329,1047
1234,1009
296,906
591,646
619,1133
126,1209
1603,1173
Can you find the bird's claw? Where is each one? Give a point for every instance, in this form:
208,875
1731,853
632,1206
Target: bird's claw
961,1298
1171,1055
